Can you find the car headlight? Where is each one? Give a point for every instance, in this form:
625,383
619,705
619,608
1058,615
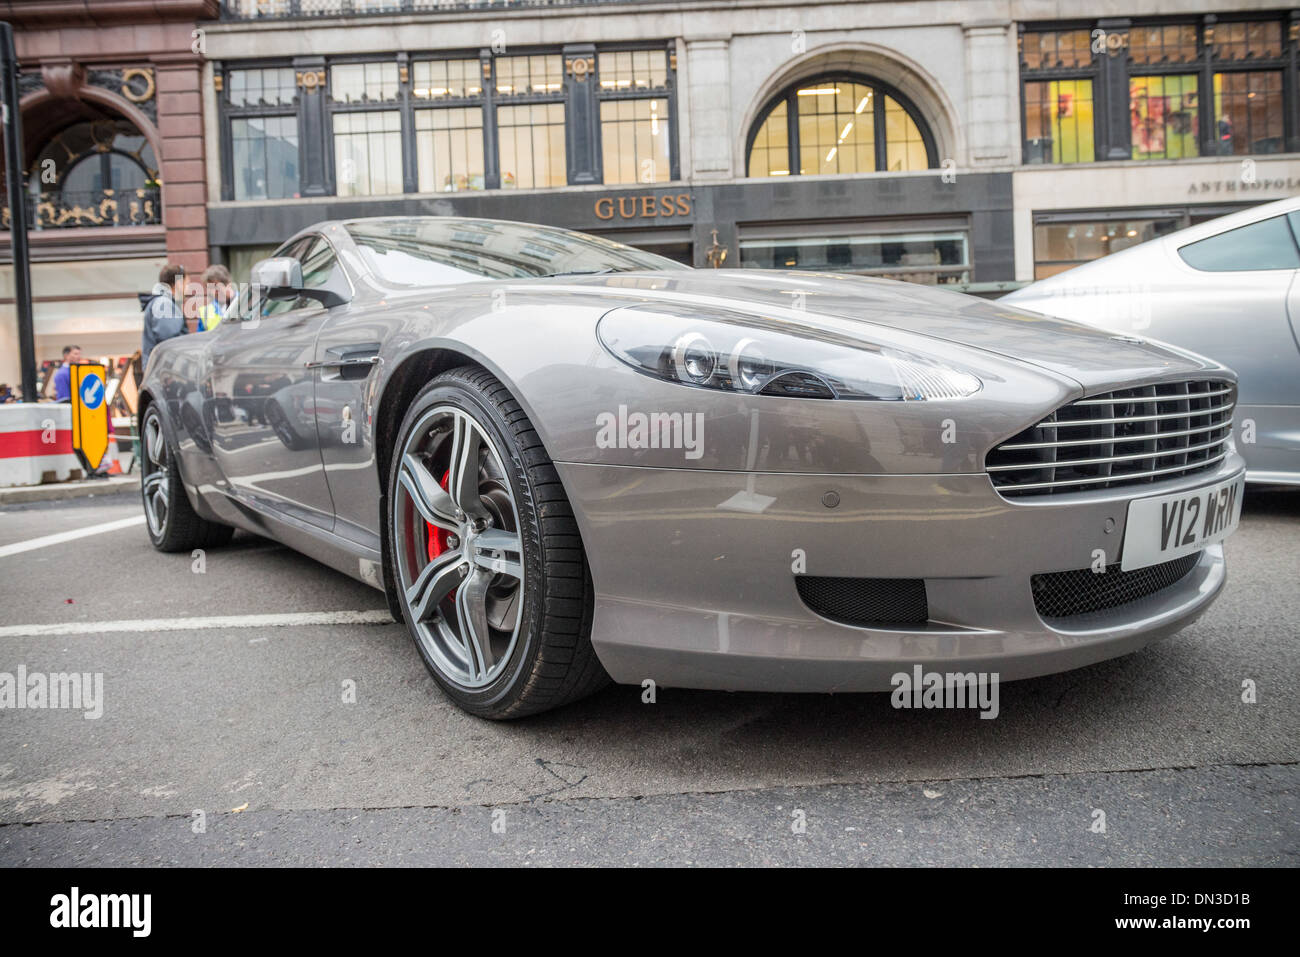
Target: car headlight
764,356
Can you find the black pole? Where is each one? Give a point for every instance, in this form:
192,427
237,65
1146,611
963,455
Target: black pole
13,136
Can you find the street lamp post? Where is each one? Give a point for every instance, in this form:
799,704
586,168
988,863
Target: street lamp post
13,143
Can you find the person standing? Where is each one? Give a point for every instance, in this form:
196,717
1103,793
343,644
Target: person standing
63,374
220,292
164,315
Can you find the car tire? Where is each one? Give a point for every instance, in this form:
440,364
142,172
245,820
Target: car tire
512,636
170,519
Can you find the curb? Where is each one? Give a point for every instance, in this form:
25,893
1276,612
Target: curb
56,491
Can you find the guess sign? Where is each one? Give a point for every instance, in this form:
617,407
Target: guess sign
644,206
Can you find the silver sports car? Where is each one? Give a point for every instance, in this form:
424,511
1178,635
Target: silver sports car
564,460
1228,288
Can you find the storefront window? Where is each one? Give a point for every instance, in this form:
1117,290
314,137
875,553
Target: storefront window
1060,245
1163,116
634,140
1248,112
531,144
929,257
1059,122
449,149
841,125
368,153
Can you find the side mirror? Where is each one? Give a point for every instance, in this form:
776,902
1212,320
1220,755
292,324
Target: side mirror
279,278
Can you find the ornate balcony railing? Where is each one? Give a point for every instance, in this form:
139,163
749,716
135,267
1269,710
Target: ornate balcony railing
293,9
109,207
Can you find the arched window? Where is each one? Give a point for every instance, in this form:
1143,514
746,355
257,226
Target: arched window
96,173
838,124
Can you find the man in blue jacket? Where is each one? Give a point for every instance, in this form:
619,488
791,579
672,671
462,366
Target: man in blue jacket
164,314
63,374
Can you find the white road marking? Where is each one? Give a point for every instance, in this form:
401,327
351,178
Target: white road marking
71,536
372,617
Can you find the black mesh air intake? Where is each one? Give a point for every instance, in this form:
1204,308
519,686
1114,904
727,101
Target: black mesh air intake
1079,592
865,601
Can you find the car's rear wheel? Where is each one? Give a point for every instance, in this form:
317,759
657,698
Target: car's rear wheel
491,574
173,524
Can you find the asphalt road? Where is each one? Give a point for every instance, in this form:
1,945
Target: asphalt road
248,724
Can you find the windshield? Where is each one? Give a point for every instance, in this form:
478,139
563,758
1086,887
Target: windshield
434,251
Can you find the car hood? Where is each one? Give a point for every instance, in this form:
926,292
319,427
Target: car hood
858,306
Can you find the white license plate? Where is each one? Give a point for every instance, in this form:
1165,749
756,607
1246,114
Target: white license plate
1169,526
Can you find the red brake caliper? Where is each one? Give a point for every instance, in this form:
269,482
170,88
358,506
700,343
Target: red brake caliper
438,536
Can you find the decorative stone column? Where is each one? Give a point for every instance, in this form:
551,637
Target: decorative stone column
709,100
992,95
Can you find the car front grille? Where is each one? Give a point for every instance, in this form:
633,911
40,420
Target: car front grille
1126,437
1083,591
865,601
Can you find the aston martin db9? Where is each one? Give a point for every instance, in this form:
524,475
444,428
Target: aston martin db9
566,461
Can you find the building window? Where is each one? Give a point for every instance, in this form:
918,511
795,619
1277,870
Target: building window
1248,112
1056,49
363,82
449,149
1163,115
538,73
835,125
266,87
261,124
1194,89
416,123
368,153
1059,122
446,79
933,254
367,141
265,155
636,131
1163,43
531,145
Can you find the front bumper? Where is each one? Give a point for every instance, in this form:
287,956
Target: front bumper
694,574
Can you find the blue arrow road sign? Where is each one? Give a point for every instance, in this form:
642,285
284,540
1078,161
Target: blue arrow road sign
92,391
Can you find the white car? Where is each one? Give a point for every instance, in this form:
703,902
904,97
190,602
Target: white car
1228,289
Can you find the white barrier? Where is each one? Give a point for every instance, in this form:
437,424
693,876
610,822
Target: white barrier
36,443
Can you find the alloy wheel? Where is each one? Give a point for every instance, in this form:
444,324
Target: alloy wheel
459,552
156,481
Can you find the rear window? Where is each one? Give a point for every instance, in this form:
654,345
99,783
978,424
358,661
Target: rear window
1264,245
